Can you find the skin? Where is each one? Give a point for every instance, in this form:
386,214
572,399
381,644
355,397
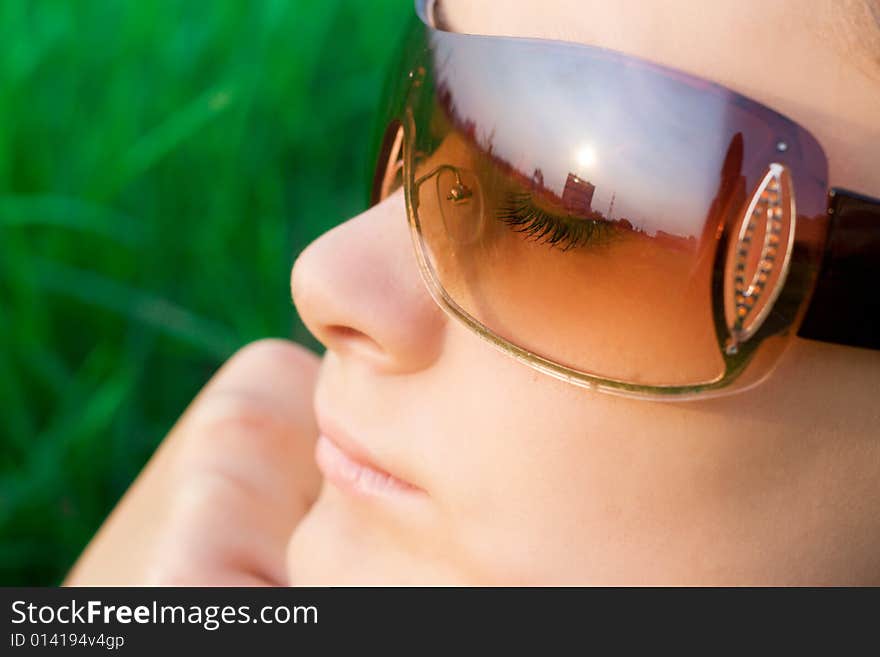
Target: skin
217,502
526,479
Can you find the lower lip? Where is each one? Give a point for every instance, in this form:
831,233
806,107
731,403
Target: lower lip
355,476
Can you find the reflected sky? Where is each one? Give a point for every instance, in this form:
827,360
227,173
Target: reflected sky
651,141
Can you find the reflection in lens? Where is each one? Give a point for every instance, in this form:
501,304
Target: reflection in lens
572,202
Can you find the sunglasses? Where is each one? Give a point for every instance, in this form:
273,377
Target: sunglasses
617,224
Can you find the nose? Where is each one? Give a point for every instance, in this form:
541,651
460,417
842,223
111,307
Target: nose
358,290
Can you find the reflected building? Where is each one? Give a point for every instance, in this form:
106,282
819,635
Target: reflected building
538,180
578,194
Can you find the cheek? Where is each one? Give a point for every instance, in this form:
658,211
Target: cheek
542,482
523,473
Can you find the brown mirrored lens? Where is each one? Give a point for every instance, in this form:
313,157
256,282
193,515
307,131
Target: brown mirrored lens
583,206
560,280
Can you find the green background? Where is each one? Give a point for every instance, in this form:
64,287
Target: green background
162,162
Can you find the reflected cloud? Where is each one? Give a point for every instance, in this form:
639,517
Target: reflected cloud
598,131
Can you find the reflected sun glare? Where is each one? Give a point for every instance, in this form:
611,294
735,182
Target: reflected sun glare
585,156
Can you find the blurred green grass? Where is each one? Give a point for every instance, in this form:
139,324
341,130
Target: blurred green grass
161,164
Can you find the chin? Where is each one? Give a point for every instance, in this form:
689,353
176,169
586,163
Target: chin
339,544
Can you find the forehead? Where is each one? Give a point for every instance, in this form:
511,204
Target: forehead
817,61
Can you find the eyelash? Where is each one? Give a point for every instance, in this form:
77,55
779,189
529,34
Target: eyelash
567,232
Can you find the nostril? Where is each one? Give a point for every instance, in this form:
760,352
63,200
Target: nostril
339,334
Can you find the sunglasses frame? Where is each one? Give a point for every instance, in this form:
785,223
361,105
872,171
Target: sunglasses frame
842,309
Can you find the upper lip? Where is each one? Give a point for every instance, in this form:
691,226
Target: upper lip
354,449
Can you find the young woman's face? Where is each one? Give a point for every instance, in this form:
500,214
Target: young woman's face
447,461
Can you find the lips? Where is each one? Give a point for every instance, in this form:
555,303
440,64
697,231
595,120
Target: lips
351,469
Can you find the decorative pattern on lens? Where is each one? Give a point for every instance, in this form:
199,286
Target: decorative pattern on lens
758,259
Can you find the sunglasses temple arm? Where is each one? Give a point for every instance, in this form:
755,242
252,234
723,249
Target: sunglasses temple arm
845,308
